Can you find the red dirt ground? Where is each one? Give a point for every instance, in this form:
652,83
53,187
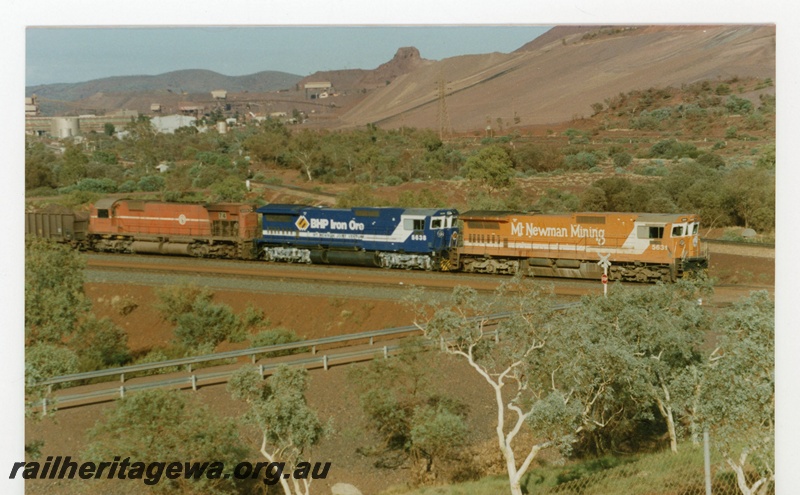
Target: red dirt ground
330,392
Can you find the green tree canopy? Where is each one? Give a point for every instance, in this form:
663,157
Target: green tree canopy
54,298
737,398
545,377
492,166
289,427
167,425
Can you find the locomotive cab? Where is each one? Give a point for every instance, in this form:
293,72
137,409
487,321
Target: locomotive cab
689,254
673,240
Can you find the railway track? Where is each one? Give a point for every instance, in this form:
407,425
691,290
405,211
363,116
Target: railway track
317,277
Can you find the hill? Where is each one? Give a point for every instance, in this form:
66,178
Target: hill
559,76
114,93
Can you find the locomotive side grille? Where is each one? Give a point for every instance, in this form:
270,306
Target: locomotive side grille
588,219
476,224
225,228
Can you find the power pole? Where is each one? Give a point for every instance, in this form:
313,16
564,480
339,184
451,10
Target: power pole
444,119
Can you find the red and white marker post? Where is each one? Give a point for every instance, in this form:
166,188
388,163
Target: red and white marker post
604,278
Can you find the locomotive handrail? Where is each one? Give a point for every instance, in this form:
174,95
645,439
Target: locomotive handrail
254,351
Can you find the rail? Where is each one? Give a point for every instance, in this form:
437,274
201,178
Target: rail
193,379
756,244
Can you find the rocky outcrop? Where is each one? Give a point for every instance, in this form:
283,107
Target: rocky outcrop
407,59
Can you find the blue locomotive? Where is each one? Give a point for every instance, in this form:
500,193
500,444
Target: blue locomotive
384,237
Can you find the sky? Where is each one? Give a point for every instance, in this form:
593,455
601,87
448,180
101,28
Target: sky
64,43
68,55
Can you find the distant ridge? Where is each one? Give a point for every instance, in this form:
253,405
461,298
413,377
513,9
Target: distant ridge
191,81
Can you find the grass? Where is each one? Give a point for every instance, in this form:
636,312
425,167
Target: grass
661,473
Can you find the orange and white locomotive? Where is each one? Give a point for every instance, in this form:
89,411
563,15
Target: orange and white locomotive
641,247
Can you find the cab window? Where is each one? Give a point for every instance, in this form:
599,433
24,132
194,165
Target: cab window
677,231
413,224
436,223
649,232
102,213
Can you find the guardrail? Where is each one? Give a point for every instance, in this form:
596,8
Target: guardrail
193,380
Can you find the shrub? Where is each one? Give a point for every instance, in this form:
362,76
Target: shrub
557,201
127,186
739,106
358,195
652,119
711,160
96,185
207,324
576,136
277,336
41,191
229,189
100,344
156,356
580,161
672,149
393,180
622,159
151,183
723,89
425,198
175,300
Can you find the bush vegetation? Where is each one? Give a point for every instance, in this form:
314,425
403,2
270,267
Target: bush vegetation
697,123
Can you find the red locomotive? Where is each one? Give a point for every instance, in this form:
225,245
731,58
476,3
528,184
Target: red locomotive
213,230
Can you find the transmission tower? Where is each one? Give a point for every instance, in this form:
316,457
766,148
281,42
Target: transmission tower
444,119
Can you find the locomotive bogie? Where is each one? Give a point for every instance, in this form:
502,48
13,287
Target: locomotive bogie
287,254
406,261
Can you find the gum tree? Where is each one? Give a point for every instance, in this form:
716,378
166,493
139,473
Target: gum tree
738,392
426,427
545,377
661,329
289,426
